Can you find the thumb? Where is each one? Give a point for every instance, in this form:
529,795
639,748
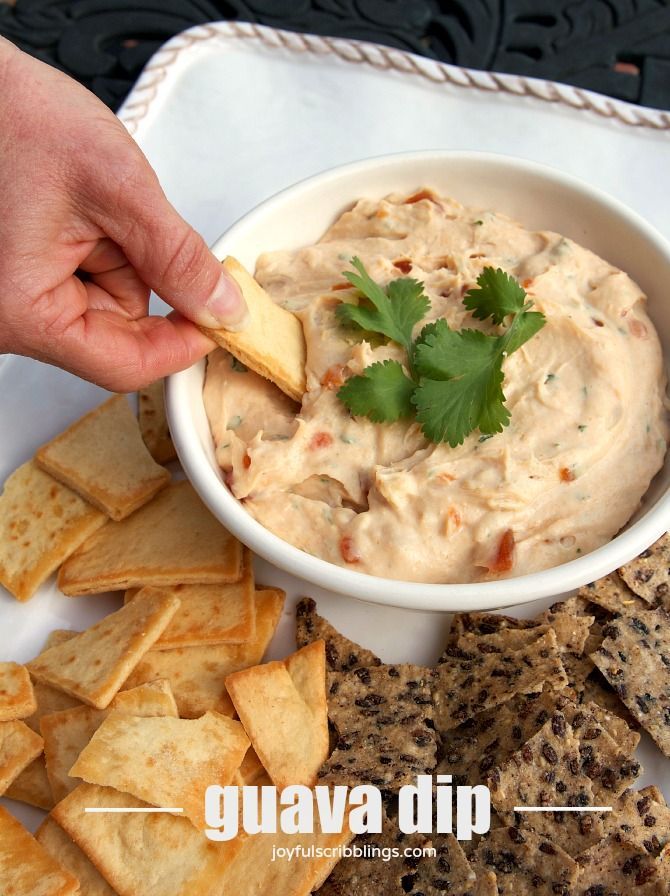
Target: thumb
174,261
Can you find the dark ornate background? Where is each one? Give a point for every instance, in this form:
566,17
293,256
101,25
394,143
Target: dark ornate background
618,47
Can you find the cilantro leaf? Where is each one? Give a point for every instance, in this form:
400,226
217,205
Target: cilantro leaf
498,295
394,312
523,327
382,393
460,388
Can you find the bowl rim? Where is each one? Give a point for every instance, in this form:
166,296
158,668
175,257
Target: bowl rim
436,597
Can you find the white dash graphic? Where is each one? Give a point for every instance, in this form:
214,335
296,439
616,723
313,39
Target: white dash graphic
562,808
101,809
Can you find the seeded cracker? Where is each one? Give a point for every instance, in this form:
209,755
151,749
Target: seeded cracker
468,682
41,523
635,658
142,854
447,872
17,700
614,867
93,665
570,622
641,819
383,718
273,343
209,614
19,746
26,868
648,575
173,540
341,653
548,771
32,786
283,708
102,457
525,863
164,761
57,843
197,674
153,423
483,624
613,594
67,733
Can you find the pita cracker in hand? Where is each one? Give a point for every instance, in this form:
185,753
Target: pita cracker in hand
26,868
210,614
163,761
41,523
93,665
273,342
67,733
283,708
142,854
173,540
19,746
32,786
102,457
57,843
197,674
17,700
153,423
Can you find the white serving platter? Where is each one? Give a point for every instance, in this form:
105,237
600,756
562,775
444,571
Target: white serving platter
228,114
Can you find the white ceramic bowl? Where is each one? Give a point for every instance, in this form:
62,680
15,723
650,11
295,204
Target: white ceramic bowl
537,196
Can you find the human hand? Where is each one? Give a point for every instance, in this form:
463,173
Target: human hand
77,195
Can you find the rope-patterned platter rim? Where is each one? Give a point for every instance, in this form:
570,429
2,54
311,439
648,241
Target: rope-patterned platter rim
382,58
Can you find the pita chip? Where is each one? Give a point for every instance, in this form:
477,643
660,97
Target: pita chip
93,665
142,854
17,700
32,786
210,614
283,708
173,540
164,761
41,523
67,733
26,868
57,843
153,423
197,674
19,746
102,457
273,342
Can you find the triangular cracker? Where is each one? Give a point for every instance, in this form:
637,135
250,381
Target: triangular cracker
649,574
41,523
67,733
32,786
612,593
17,700
19,746
153,423
282,706
341,653
273,342
641,819
26,868
210,614
197,674
142,854
173,540
163,761
57,843
615,866
102,457
93,665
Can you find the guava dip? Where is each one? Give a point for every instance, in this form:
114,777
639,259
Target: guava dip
586,394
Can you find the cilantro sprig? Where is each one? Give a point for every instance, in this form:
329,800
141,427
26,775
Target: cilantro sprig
452,382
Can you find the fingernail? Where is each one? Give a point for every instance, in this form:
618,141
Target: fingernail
225,306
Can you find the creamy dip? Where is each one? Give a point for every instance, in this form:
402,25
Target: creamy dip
586,394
